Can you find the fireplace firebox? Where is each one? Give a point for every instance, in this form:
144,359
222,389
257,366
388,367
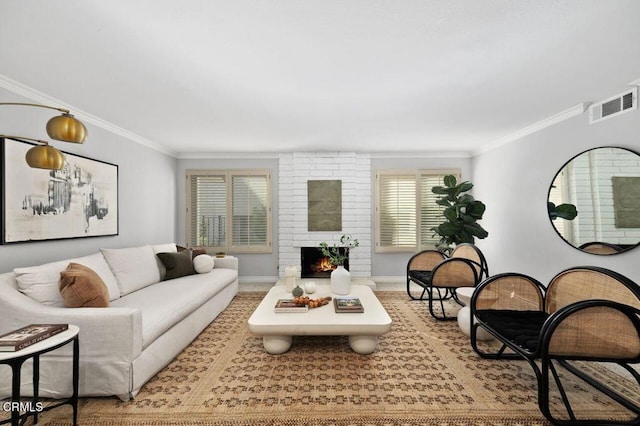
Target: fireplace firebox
316,265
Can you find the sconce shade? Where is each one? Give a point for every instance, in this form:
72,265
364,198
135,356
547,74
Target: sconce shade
66,128
45,157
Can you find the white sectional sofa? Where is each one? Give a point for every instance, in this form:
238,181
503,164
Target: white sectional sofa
147,323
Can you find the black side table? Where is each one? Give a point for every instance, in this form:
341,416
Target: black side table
16,359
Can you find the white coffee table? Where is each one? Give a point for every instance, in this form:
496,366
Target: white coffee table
277,329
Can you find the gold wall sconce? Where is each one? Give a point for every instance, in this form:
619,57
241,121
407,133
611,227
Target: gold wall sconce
65,128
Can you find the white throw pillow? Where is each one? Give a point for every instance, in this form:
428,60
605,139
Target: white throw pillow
41,282
203,263
134,267
97,262
164,248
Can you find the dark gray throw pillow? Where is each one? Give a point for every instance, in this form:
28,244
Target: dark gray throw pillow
177,264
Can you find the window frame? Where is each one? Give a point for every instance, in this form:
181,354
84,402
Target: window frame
228,175
417,175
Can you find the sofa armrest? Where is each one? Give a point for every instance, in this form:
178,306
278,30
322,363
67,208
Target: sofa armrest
228,262
104,332
593,330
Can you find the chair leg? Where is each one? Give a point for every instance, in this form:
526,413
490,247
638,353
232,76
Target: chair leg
411,296
543,395
500,354
441,299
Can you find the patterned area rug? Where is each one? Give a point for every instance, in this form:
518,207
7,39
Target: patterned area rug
423,373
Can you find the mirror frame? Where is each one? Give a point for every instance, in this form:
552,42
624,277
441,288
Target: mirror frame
600,248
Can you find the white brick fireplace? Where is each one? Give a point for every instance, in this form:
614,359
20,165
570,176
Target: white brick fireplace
354,170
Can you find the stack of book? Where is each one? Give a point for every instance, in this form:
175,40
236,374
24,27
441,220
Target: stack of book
348,305
29,335
288,305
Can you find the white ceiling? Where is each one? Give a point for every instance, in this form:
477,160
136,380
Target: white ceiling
204,76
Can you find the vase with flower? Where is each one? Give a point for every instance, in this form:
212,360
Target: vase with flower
337,255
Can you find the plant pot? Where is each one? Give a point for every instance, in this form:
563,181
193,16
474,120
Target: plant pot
340,281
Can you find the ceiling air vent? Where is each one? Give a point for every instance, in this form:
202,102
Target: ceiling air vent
611,107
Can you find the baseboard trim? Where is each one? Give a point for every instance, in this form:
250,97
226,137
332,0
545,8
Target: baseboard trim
257,279
389,279
273,279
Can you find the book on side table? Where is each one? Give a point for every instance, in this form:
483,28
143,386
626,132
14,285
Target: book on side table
348,305
31,334
288,305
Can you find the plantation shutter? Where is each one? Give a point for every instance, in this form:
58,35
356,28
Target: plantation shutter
396,211
430,211
250,210
406,209
207,211
229,210
557,195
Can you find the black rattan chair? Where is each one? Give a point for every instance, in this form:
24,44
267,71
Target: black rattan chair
586,314
438,275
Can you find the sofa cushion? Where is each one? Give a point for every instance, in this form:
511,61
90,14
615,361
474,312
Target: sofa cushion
163,248
195,251
134,267
177,264
161,312
82,287
41,282
203,263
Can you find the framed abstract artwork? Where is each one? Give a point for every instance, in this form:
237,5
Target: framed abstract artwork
324,210
81,200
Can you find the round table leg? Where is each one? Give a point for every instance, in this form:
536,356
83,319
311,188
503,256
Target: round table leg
363,345
277,344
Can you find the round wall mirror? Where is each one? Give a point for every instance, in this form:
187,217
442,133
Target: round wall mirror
594,201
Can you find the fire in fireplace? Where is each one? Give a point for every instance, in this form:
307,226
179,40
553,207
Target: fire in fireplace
315,264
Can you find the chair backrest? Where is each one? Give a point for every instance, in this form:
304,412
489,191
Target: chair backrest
510,291
472,252
458,272
596,247
590,282
425,260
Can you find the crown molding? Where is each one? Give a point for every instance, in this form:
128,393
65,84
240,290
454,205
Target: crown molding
421,154
536,127
39,97
276,155
229,155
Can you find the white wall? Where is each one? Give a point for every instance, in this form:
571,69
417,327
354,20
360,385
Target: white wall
264,267
354,171
147,189
513,181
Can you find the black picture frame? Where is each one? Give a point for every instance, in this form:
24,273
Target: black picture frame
79,201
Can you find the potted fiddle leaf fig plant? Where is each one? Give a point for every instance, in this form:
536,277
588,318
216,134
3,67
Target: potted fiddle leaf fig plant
461,213
562,211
